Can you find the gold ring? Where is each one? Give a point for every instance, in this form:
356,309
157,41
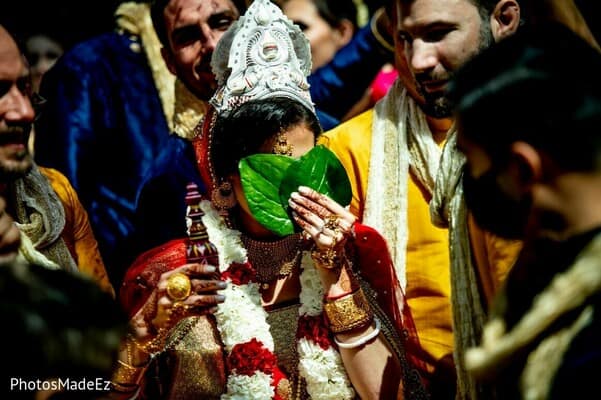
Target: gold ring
178,286
331,222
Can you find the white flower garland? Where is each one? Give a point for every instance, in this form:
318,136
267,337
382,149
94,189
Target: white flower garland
241,318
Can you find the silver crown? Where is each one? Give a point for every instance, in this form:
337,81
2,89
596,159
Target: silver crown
262,55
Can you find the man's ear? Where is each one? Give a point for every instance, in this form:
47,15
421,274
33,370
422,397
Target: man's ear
168,58
528,164
345,31
505,19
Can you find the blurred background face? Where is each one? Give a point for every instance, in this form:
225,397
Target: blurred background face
42,52
193,29
16,113
325,39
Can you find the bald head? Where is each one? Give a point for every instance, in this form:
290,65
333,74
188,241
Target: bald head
16,113
8,46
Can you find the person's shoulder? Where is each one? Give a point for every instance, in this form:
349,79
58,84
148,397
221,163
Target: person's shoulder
59,183
54,176
352,132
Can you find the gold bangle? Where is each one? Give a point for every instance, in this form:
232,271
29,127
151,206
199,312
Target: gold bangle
123,389
374,29
126,374
348,312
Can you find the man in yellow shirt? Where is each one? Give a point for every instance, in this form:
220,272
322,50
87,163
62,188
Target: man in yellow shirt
55,231
394,155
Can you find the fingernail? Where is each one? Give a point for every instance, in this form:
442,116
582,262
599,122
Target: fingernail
219,298
304,189
295,195
221,285
209,269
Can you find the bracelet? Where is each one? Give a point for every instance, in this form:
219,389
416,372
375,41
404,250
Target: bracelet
363,339
374,29
348,312
124,389
127,375
328,258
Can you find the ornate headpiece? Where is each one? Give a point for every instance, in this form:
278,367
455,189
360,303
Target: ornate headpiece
262,55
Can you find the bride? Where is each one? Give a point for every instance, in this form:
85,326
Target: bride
308,315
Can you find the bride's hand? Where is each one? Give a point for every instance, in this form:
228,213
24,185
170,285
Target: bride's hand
185,291
321,218
330,226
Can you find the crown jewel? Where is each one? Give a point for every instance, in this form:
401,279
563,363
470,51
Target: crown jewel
262,55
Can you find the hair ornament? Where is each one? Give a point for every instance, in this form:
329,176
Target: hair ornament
267,56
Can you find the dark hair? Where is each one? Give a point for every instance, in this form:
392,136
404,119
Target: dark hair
157,13
58,325
242,131
541,86
334,11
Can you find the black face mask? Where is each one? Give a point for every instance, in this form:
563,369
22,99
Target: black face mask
493,209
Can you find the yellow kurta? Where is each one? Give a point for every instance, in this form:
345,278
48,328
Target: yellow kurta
78,235
427,268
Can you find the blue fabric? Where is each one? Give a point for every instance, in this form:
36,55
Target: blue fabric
326,121
161,212
338,85
103,126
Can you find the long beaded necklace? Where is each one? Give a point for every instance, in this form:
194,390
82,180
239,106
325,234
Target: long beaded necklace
274,260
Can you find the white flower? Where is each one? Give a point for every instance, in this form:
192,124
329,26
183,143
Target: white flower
324,372
242,387
311,288
226,240
241,317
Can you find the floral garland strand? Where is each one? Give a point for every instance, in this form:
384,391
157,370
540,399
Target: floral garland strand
242,323
319,362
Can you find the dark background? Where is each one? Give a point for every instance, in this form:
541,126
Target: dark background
71,21
67,21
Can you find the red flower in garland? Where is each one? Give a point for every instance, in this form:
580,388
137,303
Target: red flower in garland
250,357
240,273
316,329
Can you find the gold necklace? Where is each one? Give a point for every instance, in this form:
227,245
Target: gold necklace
273,260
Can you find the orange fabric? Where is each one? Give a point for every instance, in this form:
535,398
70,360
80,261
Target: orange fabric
427,268
78,235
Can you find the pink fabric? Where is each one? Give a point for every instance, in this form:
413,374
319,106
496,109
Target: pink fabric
382,83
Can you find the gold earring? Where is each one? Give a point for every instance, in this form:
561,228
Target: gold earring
223,196
281,145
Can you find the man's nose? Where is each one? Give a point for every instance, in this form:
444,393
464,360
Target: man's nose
422,56
210,39
19,107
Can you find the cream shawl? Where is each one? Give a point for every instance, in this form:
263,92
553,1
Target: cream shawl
401,143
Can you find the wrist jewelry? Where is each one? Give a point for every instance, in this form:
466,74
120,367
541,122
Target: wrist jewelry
363,339
348,312
328,258
127,375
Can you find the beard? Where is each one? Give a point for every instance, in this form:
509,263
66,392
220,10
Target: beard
15,164
202,82
437,104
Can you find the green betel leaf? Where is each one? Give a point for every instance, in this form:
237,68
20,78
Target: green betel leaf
261,176
320,170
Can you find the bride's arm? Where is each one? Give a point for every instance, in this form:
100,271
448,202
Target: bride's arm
374,369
